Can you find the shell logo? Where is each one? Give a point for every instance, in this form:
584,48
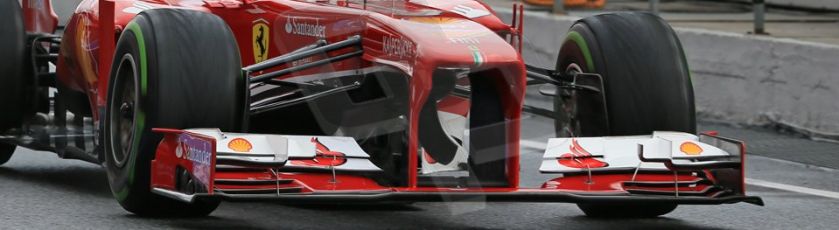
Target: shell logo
240,145
690,148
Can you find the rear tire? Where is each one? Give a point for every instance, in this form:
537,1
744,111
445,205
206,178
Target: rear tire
12,54
647,85
173,68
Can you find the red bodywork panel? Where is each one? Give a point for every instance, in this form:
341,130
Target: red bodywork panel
397,34
39,16
415,37
84,38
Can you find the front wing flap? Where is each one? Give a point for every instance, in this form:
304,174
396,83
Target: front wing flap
198,163
205,162
664,163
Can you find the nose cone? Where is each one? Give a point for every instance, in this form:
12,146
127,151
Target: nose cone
457,42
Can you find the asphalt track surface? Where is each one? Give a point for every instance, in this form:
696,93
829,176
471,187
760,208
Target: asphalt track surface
40,191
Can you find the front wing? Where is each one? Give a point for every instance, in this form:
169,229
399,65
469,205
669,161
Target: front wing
207,163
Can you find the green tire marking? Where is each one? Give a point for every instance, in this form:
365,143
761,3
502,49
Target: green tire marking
140,118
685,58
143,64
578,39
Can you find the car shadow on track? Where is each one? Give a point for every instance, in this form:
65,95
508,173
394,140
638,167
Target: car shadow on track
209,222
642,223
402,207
85,180
274,215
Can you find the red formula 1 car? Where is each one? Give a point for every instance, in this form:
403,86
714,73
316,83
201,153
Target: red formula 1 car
187,103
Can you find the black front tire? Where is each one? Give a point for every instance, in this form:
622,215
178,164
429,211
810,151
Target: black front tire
12,64
647,85
173,68
6,151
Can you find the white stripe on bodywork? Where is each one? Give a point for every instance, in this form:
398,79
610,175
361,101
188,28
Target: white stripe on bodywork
469,12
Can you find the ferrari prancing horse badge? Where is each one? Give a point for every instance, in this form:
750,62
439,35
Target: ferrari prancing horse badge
260,40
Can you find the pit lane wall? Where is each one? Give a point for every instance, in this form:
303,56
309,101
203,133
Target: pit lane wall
810,4
737,78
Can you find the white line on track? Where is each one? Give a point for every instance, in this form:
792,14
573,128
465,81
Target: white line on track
533,144
792,188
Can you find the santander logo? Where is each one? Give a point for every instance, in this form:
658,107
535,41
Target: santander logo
194,150
305,27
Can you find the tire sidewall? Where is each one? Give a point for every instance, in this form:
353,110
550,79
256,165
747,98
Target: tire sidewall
639,101
134,171
182,84
582,49
644,93
6,151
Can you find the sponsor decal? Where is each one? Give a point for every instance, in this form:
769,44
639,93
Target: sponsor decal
324,156
305,27
465,41
436,20
477,55
301,61
466,36
261,36
193,149
580,158
469,12
199,153
456,30
690,148
240,145
87,46
398,47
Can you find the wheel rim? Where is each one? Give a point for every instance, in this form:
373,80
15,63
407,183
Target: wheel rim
569,124
123,110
